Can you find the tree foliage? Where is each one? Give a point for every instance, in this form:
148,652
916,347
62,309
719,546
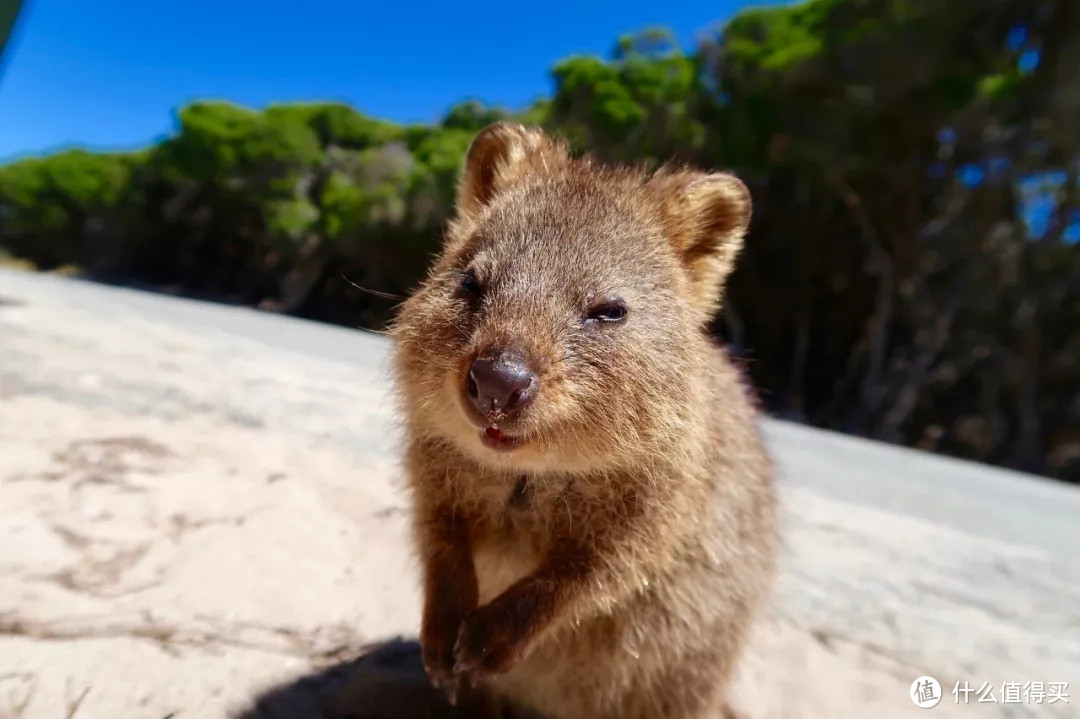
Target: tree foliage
911,268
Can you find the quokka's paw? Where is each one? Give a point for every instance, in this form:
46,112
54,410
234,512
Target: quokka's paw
437,640
488,642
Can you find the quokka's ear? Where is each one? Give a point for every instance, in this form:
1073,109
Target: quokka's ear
499,154
707,218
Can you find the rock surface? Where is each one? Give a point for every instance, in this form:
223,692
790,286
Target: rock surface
201,515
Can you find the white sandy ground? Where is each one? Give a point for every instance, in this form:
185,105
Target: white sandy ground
201,516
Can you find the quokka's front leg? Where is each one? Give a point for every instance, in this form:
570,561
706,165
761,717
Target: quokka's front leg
501,633
450,594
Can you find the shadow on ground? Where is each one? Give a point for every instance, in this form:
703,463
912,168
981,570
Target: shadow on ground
386,681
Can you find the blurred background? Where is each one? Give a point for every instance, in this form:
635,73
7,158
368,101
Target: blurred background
911,272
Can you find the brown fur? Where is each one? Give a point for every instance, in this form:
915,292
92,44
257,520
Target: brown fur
609,566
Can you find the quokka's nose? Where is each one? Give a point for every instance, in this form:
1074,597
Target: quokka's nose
501,381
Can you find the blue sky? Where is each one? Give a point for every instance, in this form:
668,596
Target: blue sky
109,74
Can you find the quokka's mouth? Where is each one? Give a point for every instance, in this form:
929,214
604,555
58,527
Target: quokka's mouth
491,428
496,439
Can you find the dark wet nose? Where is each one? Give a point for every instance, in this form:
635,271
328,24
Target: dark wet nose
501,382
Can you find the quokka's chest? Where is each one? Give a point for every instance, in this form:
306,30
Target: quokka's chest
519,528
500,563
508,553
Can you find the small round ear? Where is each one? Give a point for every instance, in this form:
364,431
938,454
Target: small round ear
498,154
708,215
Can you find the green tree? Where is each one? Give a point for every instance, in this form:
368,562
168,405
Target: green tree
643,104
71,207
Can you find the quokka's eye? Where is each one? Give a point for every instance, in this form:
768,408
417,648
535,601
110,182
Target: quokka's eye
607,312
470,285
